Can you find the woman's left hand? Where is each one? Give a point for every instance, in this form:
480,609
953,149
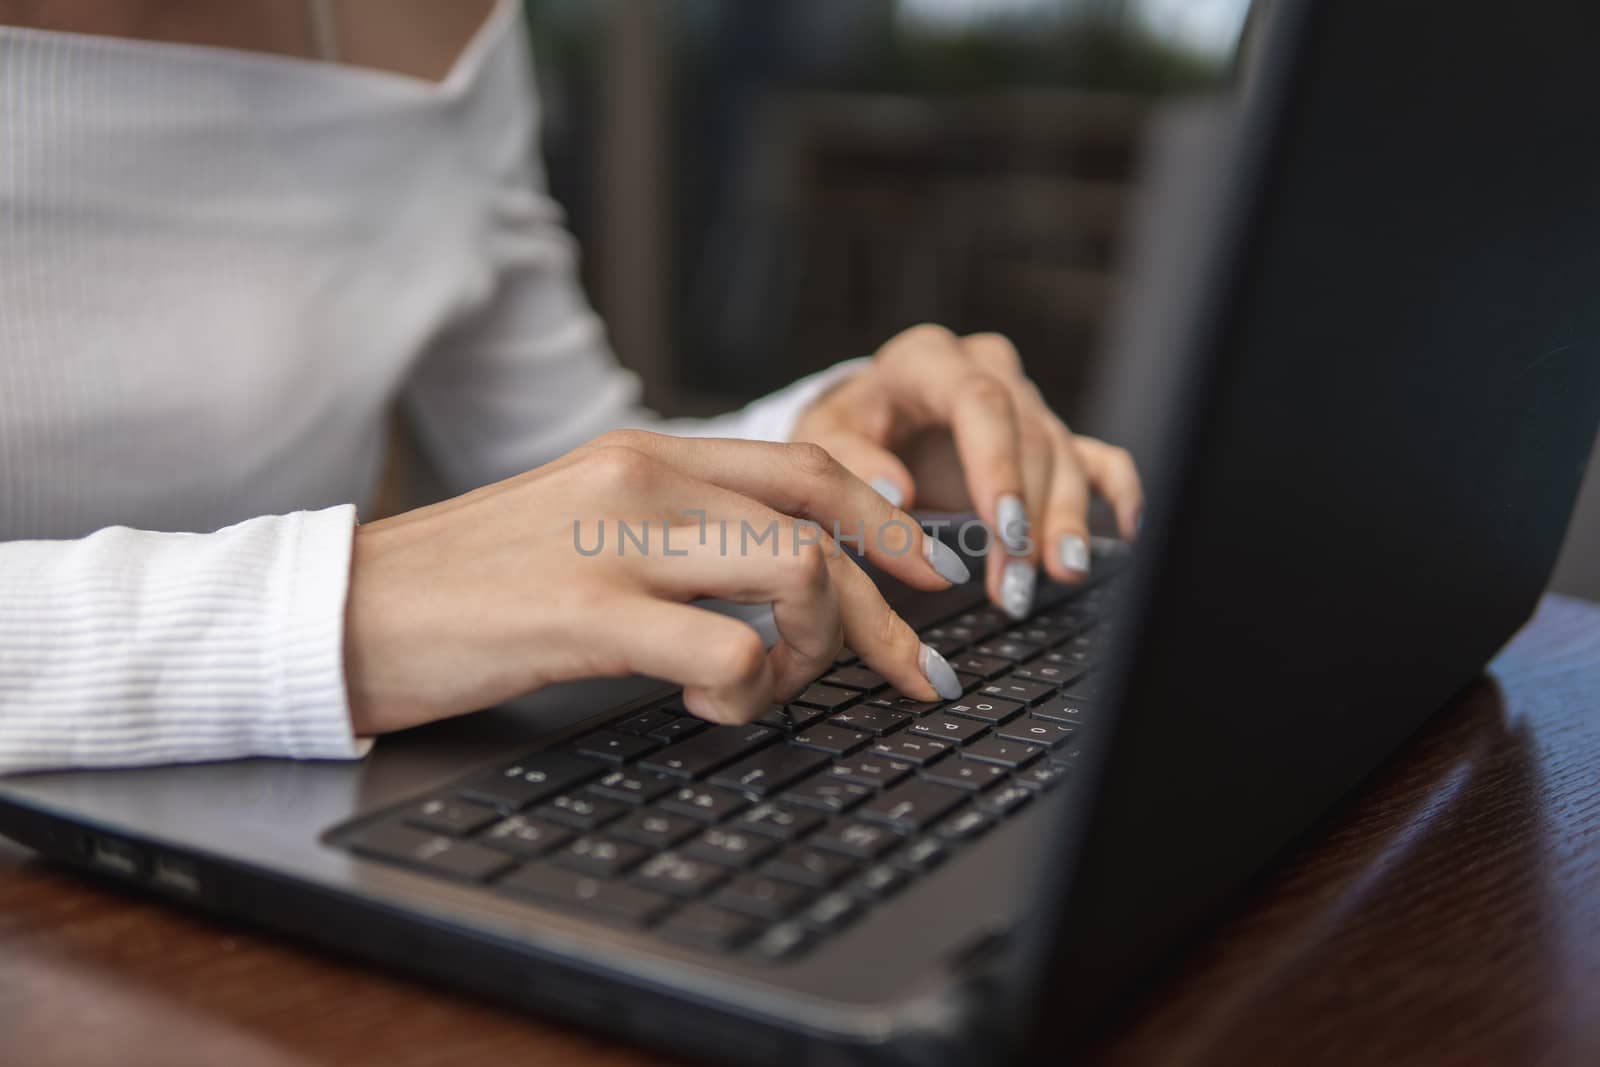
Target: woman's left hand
953,424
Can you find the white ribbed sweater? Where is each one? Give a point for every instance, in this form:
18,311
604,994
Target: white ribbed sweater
217,272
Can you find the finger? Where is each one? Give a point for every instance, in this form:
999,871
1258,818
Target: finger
1113,473
804,481
1066,523
880,468
721,663
934,381
821,599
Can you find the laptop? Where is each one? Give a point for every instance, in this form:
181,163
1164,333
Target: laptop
1366,331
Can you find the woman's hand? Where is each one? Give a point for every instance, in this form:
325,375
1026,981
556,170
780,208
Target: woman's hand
952,423
495,594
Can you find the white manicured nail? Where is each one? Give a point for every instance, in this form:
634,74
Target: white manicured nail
1075,554
888,490
939,673
944,559
1013,523
1016,589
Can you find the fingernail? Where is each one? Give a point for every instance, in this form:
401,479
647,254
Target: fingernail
939,673
1013,524
1016,589
888,490
944,559
1075,554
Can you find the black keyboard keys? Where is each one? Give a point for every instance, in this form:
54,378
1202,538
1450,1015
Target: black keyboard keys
614,900
870,720
730,847
913,749
834,740
912,805
859,840
1001,750
966,774
615,746
445,815
581,811
826,793
827,697
1038,732
599,855
679,876
704,802
870,770
778,820
947,728
1021,690
1063,709
770,769
713,747
529,780
525,838
633,786
809,867
434,853
791,718
861,679
655,829
762,895
703,926
986,709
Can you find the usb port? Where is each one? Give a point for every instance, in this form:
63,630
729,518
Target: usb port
114,855
180,876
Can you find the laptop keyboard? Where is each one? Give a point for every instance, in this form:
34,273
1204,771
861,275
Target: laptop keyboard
762,839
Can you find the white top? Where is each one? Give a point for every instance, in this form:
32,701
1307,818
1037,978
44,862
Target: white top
217,270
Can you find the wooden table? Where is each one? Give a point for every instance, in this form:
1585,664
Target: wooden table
1452,916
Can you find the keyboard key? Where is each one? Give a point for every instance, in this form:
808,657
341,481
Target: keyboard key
831,911
895,702
966,774
1038,633
1086,689
791,718
945,643
1005,800
444,815
633,786
525,838
782,941
778,820
677,730
770,769
948,728
920,855
870,770
714,747
964,825
982,666
824,793
986,709
616,746
914,804
1041,776
861,679
1042,670
827,697
879,881
704,802
762,896
655,829
644,723
729,847
615,900
529,780
1063,709
679,876
1007,649
808,866
581,811
1019,689
870,720
703,926
601,856
834,740
434,853
982,623
863,841
996,749
913,749
969,682
1038,732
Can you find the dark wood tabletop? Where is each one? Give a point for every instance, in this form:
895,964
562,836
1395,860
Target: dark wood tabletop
1450,915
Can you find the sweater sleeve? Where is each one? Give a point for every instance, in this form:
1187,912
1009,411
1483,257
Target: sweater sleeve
129,647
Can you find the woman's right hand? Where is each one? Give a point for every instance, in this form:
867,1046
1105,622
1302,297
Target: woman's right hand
487,597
